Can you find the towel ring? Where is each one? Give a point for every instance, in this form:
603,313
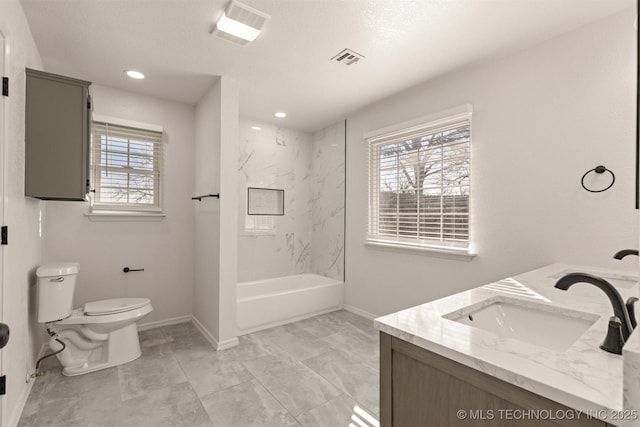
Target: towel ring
599,170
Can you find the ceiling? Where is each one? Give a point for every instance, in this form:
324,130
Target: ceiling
288,66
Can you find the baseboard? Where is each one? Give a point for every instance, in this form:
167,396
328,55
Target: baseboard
15,417
218,345
166,322
360,312
223,345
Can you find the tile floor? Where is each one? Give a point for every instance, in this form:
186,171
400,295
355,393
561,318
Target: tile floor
316,372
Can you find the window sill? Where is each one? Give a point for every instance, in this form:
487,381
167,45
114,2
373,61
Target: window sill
462,255
106,216
254,233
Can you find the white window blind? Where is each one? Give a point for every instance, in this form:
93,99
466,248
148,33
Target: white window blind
260,223
127,166
419,185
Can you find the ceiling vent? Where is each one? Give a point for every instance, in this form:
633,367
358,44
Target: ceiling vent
347,57
240,24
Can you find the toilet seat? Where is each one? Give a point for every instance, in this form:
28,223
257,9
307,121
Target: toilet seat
114,305
79,317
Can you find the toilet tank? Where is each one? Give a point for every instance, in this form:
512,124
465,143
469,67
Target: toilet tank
56,284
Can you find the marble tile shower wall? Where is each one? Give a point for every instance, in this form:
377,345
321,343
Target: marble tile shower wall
328,172
275,158
308,238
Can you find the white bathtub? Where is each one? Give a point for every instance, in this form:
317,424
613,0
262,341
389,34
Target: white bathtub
266,303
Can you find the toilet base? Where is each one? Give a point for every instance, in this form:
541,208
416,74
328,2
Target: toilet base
82,356
70,372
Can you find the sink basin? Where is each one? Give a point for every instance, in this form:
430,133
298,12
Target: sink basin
531,323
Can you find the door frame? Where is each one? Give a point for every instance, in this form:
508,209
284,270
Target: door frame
3,193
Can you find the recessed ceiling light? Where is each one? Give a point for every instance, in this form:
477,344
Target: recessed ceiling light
280,114
256,127
134,74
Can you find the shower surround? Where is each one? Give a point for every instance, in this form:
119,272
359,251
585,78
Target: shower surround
309,238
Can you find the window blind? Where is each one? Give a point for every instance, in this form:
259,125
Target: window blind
419,185
126,167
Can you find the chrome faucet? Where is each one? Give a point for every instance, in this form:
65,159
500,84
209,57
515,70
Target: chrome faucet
624,252
623,312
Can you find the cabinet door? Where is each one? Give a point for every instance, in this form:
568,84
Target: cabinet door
56,137
421,388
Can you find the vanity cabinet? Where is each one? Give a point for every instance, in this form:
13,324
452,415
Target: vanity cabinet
421,388
57,135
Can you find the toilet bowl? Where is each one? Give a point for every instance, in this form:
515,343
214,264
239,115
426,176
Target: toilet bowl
100,335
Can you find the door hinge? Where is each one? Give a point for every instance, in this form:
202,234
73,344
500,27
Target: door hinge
4,235
5,86
3,385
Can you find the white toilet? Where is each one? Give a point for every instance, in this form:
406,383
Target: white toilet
99,335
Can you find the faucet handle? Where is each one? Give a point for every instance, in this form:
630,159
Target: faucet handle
632,314
624,252
614,341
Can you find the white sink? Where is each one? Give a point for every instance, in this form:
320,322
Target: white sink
532,323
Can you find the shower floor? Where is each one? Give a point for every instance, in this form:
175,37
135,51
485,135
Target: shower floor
316,372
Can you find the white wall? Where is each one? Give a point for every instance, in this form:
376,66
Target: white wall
22,215
206,297
229,136
163,248
214,297
541,119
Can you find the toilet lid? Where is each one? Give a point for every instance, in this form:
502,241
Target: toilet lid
111,306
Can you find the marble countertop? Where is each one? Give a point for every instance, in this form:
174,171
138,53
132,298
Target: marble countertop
582,377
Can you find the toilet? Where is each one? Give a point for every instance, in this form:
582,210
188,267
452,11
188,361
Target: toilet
100,335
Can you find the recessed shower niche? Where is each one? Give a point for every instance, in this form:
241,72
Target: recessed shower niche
306,172
265,201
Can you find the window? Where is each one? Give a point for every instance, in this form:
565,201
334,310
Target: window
127,166
260,224
419,183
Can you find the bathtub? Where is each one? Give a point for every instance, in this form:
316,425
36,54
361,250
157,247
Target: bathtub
262,304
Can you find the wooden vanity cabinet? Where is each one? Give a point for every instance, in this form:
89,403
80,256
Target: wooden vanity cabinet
57,135
419,388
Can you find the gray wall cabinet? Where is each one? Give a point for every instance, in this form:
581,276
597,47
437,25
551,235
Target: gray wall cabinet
57,135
